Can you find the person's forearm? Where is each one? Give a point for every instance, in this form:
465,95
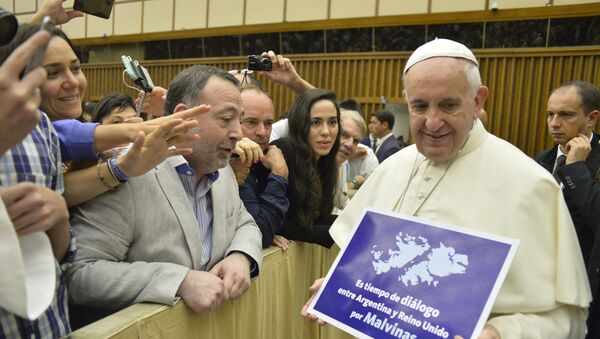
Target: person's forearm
37,18
60,237
122,283
273,204
300,86
85,184
109,136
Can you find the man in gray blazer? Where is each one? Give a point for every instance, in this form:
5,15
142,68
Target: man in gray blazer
181,229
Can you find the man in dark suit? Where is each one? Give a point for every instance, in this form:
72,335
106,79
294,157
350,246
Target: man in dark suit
385,144
573,110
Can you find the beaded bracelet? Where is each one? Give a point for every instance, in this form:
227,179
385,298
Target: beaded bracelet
102,179
112,164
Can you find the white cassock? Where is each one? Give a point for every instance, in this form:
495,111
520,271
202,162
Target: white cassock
493,187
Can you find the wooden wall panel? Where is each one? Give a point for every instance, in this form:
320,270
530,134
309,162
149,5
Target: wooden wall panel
520,81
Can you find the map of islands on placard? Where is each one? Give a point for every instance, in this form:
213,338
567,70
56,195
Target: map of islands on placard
403,277
418,262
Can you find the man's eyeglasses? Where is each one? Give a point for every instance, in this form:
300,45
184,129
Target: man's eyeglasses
245,72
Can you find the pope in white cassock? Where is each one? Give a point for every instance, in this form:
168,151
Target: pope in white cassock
458,173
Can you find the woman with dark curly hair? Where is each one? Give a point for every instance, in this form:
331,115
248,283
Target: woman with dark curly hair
310,150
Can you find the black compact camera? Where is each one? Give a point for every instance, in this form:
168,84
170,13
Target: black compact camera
258,63
8,26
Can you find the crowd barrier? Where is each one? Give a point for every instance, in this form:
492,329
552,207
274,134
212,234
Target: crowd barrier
269,309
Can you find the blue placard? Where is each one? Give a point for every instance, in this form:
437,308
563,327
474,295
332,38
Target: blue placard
402,277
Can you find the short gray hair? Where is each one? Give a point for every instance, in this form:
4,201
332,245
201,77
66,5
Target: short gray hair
356,117
186,86
473,77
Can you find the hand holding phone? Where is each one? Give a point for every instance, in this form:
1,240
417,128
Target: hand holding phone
140,76
144,80
138,73
99,8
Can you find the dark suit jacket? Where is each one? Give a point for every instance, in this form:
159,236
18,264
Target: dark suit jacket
366,141
389,147
581,190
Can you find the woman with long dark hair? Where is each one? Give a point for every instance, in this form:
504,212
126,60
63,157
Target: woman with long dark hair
310,150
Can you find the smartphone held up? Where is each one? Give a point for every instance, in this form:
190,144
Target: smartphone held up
99,8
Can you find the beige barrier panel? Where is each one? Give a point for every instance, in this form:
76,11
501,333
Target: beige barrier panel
270,309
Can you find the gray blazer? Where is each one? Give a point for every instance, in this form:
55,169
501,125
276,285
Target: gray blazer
138,242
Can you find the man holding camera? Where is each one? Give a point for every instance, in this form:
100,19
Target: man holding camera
264,184
264,189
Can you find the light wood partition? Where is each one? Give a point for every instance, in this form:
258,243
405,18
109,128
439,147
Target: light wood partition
520,81
269,309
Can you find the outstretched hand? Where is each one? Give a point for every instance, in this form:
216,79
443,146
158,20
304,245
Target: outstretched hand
150,150
284,73
313,291
188,114
54,9
20,97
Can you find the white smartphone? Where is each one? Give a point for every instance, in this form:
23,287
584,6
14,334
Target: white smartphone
128,63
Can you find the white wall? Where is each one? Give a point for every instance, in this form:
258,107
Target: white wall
147,16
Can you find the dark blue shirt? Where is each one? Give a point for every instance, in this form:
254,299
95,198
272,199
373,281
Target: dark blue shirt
264,196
